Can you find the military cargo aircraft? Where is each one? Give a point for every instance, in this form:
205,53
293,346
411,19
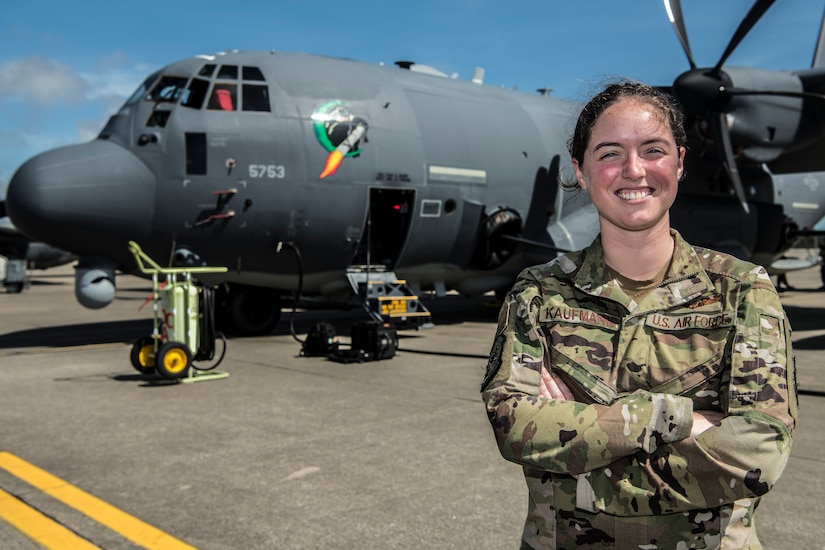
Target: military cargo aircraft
311,176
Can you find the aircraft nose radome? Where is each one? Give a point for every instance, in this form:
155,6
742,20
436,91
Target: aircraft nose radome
80,196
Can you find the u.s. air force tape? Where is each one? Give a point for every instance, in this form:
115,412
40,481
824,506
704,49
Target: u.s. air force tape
689,321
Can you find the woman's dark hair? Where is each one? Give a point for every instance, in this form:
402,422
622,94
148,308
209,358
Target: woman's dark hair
661,101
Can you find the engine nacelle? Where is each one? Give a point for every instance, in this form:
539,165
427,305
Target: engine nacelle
94,285
492,250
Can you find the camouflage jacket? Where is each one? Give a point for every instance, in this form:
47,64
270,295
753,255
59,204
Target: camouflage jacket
618,466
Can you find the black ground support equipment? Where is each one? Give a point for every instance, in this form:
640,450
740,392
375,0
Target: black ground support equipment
321,341
371,341
376,340
184,324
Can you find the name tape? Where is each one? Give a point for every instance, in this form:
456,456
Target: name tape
576,315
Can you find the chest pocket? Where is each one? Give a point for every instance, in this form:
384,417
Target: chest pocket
687,351
582,349
601,356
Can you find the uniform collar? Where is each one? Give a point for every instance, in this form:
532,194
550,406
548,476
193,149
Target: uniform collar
685,278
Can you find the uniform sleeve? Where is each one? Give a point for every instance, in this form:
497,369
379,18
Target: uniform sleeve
744,455
565,436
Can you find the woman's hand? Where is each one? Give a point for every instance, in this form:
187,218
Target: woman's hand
704,420
553,387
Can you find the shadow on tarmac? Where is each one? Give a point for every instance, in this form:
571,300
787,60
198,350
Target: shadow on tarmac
78,335
811,343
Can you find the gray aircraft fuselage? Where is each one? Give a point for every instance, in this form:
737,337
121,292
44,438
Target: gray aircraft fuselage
229,185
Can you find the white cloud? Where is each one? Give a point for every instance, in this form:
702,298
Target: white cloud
114,83
112,61
40,81
45,104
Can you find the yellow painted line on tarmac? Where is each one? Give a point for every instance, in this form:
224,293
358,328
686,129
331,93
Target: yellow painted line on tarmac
104,513
37,527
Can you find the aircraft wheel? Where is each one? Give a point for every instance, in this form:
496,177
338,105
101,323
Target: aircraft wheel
254,311
143,355
173,360
14,288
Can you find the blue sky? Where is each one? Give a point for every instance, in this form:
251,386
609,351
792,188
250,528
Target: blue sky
66,66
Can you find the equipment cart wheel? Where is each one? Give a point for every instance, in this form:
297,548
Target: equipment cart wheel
143,355
173,360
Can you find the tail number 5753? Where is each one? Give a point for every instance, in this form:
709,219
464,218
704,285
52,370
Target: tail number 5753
270,171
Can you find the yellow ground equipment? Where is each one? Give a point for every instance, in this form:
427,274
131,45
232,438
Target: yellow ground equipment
184,324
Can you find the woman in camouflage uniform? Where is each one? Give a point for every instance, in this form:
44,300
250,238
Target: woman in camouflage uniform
646,386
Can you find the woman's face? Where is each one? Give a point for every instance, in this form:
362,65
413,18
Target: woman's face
631,166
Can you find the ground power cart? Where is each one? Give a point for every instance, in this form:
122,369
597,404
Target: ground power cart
184,324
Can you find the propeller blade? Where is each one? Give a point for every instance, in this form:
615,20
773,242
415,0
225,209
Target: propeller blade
674,13
757,10
720,135
530,242
780,93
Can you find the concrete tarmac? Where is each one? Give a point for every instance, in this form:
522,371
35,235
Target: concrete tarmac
297,452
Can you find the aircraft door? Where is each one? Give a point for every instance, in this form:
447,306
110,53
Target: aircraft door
386,226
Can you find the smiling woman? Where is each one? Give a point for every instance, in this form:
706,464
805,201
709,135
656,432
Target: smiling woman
629,159
645,385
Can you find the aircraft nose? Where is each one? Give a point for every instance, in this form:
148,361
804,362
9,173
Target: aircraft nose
83,198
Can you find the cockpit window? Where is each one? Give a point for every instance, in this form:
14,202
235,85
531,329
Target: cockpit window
224,97
207,70
194,95
253,73
227,94
228,72
168,89
143,88
255,97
